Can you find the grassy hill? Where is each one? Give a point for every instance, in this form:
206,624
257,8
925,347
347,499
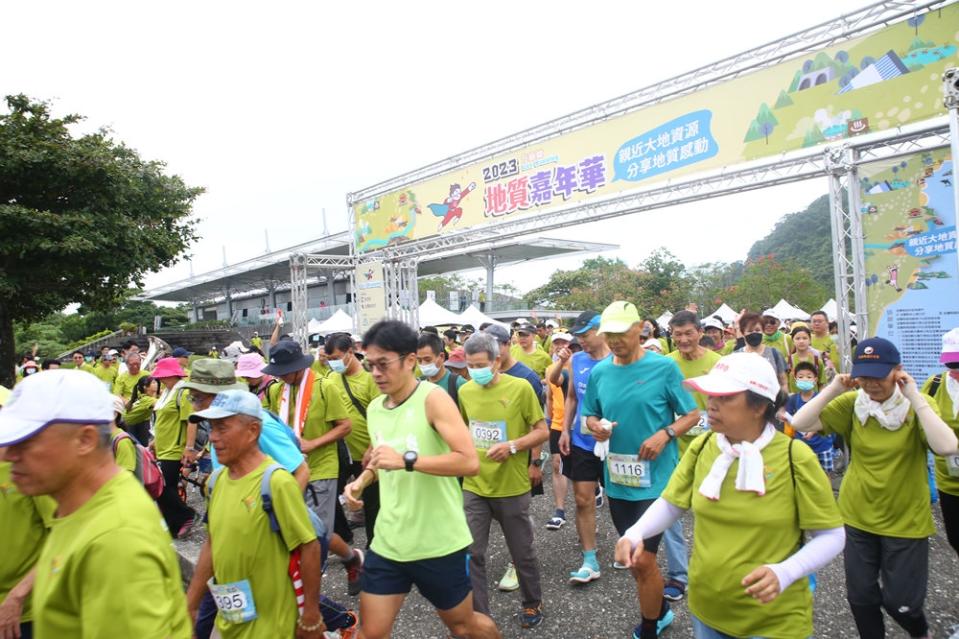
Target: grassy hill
805,237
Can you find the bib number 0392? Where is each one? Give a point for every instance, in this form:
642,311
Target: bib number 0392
485,434
628,470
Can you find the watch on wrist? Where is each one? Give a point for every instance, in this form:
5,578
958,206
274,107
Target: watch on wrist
409,459
512,448
538,462
669,431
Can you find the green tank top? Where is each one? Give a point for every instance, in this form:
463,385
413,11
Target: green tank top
421,516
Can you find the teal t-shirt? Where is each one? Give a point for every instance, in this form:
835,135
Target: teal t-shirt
444,381
642,397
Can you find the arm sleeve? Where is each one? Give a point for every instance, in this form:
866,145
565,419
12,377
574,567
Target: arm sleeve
822,547
657,518
290,509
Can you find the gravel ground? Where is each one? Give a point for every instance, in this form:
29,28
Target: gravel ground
607,608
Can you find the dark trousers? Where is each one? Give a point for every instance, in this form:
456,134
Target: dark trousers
950,516
140,432
371,505
205,617
903,567
175,512
26,630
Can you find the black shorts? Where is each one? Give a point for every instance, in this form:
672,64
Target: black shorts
554,436
443,581
626,513
582,465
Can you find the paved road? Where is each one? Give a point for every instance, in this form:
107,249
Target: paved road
607,608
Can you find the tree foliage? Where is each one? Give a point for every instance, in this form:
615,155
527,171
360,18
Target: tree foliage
802,237
82,218
767,279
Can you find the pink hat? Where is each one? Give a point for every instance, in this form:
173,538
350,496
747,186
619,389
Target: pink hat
168,367
250,365
950,347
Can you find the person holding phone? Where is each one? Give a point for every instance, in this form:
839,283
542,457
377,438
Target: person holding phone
884,498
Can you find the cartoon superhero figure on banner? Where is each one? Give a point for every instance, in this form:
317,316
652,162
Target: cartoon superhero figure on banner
450,210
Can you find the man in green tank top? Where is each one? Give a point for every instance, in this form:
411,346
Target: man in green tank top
420,446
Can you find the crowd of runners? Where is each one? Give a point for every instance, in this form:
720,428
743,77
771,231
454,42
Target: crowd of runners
429,437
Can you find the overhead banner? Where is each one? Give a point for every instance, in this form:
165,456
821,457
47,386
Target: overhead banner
370,295
912,272
880,81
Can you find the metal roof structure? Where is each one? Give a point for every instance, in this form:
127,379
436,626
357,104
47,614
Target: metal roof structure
273,269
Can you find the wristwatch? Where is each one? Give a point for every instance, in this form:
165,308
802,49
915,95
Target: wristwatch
409,458
669,431
538,462
512,448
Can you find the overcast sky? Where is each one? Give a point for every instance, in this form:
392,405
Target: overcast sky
280,109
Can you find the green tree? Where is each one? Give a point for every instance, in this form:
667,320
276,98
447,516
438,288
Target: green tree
783,100
767,279
663,283
594,285
762,125
67,206
708,283
803,237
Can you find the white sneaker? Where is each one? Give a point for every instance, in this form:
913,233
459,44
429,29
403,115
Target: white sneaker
509,582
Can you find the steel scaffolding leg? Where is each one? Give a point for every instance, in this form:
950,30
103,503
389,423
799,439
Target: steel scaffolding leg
298,277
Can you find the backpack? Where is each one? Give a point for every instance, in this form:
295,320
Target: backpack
147,470
934,386
453,389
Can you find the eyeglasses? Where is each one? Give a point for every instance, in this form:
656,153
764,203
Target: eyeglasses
382,365
771,321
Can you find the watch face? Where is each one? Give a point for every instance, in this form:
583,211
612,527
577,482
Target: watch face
409,455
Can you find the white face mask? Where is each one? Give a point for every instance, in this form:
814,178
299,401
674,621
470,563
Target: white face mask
429,370
337,365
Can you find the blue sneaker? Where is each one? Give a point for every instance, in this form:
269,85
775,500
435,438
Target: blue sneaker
663,623
674,590
584,575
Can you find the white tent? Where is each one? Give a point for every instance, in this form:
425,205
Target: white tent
432,314
663,319
475,317
785,311
724,312
339,322
831,309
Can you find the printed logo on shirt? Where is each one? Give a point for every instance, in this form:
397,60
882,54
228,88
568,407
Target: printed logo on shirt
768,472
250,503
7,489
55,566
505,402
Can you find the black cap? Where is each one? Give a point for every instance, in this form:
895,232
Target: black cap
497,331
287,357
585,321
467,328
526,328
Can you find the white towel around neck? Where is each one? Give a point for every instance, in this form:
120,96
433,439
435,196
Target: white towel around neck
751,473
952,387
891,414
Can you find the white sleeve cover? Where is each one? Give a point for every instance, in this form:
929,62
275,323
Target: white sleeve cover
657,518
822,547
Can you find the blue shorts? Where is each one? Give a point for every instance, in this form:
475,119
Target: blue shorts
443,581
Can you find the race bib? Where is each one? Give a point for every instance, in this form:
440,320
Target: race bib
583,430
485,434
628,470
952,465
701,427
234,601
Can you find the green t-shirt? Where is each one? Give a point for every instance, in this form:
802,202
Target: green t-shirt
109,570
125,383
320,368
170,426
885,490
106,375
244,547
783,343
947,468
364,390
26,522
827,346
743,530
497,413
728,347
689,369
538,360
421,516
815,358
126,456
444,381
326,407
142,409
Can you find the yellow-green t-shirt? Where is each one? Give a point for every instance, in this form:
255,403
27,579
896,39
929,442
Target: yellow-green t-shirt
885,490
326,407
170,426
320,368
784,344
364,390
694,368
26,522
109,570
743,530
126,450
244,547
106,375
497,413
142,409
125,383
728,347
815,358
827,346
538,360
947,469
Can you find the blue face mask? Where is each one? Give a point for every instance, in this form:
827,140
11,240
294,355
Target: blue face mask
337,365
481,376
429,370
805,385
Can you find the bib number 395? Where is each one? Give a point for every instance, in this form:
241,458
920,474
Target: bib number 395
952,465
234,601
628,470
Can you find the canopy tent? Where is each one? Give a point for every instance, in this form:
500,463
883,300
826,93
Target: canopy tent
339,322
785,311
727,314
432,314
663,319
474,317
831,309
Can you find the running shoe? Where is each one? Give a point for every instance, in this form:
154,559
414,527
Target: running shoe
509,582
661,625
531,617
354,572
555,523
185,528
599,495
584,575
674,590
619,566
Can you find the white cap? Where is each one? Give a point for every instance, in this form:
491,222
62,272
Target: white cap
654,344
562,336
771,313
54,396
552,323
712,322
737,373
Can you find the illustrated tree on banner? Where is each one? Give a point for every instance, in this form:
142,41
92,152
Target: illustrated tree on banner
762,125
